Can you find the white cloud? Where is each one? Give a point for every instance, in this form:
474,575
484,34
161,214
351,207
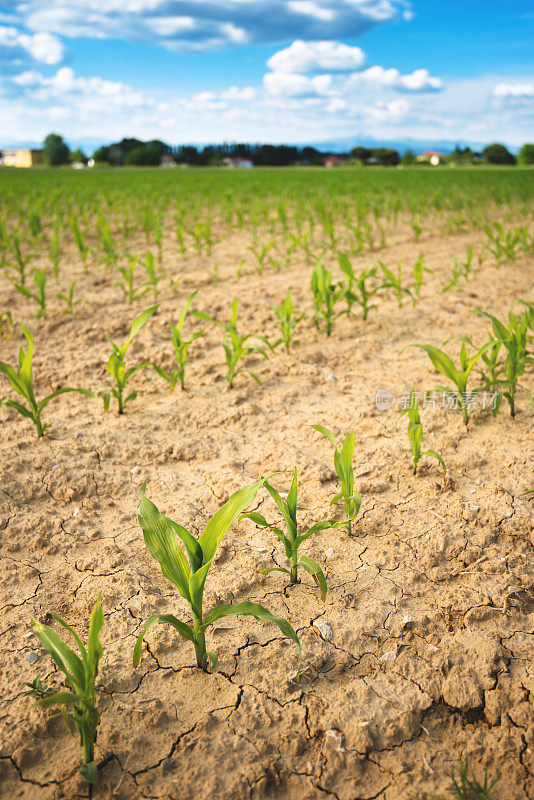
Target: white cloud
41,47
518,90
291,84
394,111
317,57
204,24
419,80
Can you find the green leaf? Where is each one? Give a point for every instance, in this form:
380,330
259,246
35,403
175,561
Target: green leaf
67,661
217,526
184,630
141,320
89,772
441,361
254,610
435,454
57,392
20,408
292,497
325,432
59,699
260,520
94,648
275,569
315,570
160,538
321,526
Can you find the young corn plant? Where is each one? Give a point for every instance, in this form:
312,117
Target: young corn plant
418,274
154,278
514,339
54,247
461,269
326,295
127,284
467,787
235,346
260,254
491,371
6,325
415,434
394,282
68,299
21,260
343,465
288,322
117,364
503,245
39,296
22,383
293,540
459,377
79,241
162,537
181,347
77,701
356,289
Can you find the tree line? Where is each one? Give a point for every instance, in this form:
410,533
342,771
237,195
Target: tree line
134,152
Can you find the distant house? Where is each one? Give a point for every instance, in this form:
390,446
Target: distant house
334,161
240,163
167,160
20,157
430,157
78,165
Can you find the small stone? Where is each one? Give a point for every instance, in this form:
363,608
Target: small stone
336,740
135,470
406,620
262,550
391,655
332,378
32,658
79,435
76,511
329,553
324,628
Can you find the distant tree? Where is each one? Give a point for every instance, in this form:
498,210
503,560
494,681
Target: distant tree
386,156
408,157
497,154
103,154
143,156
362,154
526,154
310,155
78,156
55,151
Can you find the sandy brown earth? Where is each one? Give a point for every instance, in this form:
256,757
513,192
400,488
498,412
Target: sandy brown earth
428,646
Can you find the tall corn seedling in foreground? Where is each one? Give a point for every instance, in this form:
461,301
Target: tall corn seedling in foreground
357,289
293,540
117,364
77,702
39,296
326,295
22,383
415,434
181,347
343,465
188,574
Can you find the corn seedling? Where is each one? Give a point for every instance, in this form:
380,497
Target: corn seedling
418,273
326,295
444,365
110,254
6,325
260,254
127,284
154,279
80,243
503,245
189,574
461,269
514,339
117,364
394,282
356,289
415,434
293,540
39,296
180,346
490,373
22,383
77,701
467,787
417,230
54,248
288,321
343,465
21,260
68,298
235,346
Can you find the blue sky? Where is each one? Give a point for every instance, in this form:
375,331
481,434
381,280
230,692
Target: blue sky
266,70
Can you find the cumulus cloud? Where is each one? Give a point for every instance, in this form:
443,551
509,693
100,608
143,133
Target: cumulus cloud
65,85
291,84
17,47
393,111
515,90
322,56
204,24
419,80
